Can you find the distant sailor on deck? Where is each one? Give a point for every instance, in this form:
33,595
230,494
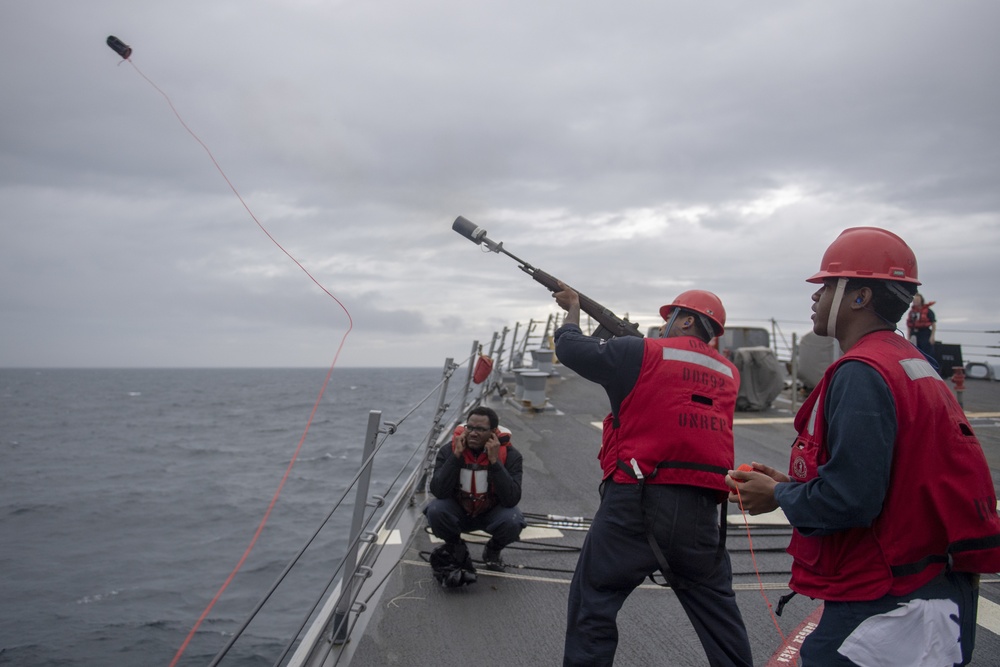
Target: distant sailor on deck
477,486
921,324
667,445
888,490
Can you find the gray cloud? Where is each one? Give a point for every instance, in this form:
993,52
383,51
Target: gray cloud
633,150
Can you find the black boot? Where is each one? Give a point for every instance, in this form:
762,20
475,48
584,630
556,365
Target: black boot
452,565
492,559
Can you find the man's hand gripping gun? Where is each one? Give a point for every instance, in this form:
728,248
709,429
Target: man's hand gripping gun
610,325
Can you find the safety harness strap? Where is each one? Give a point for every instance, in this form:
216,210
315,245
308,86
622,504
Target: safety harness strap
634,472
973,544
689,465
673,581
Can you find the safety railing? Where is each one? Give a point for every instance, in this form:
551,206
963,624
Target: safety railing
333,615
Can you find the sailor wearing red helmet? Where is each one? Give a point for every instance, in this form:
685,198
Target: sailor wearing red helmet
888,491
666,447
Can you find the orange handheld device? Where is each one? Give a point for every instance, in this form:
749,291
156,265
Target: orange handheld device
745,467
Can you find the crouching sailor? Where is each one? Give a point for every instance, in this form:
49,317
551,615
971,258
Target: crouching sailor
477,486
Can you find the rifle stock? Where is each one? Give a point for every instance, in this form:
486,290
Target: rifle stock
611,325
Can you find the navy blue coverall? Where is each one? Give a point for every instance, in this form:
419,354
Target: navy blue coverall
616,554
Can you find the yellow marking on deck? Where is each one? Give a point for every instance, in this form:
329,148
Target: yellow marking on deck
763,420
529,533
514,572
739,420
989,615
775,518
743,421
539,533
511,573
389,537
789,420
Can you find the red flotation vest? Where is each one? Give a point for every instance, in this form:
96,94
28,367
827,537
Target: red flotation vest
677,422
475,493
919,317
940,507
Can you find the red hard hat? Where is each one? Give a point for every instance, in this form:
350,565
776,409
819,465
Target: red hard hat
868,252
699,301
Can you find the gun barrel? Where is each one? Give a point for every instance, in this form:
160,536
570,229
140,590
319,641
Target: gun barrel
610,324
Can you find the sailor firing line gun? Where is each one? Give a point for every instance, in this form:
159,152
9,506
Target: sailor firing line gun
610,325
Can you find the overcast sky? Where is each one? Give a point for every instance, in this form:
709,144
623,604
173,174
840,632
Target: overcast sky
633,149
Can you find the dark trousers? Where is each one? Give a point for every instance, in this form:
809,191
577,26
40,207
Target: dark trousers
616,557
448,521
923,342
840,619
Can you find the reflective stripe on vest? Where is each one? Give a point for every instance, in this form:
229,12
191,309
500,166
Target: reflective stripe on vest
917,369
691,357
473,481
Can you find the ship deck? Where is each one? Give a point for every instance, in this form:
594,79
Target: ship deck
518,617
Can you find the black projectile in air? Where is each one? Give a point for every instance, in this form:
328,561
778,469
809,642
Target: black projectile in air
119,47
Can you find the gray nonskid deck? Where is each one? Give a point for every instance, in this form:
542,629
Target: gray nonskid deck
518,617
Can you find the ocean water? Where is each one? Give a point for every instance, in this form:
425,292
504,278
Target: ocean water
128,496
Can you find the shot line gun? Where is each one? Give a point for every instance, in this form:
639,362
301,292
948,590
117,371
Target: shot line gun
610,325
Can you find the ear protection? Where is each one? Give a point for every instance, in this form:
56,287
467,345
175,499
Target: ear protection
858,300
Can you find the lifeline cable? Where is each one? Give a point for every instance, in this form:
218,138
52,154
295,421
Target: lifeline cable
125,51
393,426
365,464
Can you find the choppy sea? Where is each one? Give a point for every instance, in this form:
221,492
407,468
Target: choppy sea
128,496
